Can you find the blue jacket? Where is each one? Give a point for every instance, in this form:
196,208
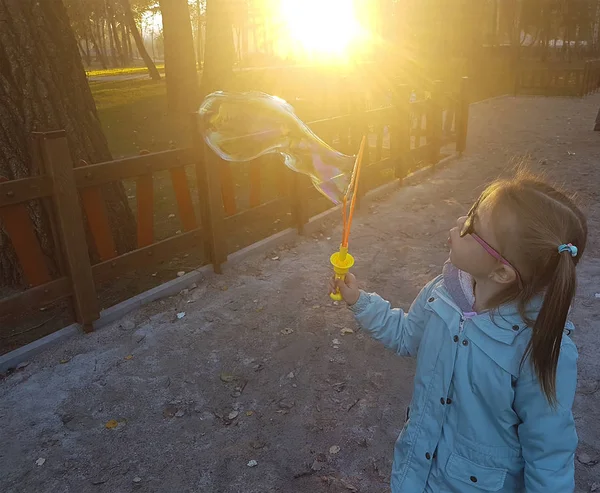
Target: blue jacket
478,420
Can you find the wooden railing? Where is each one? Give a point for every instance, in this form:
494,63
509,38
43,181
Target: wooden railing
576,82
414,132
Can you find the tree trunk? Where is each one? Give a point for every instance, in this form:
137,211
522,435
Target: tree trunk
99,53
118,47
180,60
139,42
102,40
199,43
111,44
130,53
43,87
219,51
124,46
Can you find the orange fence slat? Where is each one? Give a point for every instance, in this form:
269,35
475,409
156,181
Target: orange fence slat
20,230
184,199
144,190
95,210
227,188
255,173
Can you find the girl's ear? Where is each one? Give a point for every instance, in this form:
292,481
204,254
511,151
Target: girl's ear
503,274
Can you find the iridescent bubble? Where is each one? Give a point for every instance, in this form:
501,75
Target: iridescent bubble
244,126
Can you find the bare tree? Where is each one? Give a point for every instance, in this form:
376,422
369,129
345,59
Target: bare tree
180,60
139,42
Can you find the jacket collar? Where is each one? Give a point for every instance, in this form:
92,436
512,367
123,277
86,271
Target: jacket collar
502,324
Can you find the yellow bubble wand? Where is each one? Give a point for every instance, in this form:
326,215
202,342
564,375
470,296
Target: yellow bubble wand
342,261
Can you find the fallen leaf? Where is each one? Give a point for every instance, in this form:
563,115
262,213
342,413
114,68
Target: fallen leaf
249,413
170,411
111,424
64,360
347,485
129,356
137,479
171,216
226,377
252,463
334,449
286,403
155,274
275,258
232,415
586,460
287,331
346,331
40,461
181,273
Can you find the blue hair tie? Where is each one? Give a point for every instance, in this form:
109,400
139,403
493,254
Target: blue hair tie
568,247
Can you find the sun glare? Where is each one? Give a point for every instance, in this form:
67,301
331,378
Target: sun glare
320,28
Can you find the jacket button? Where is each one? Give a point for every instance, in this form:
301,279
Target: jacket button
443,401
516,327
474,479
455,338
448,401
428,456
465,342
431,300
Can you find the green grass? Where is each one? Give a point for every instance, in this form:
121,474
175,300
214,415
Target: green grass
134,117
122,71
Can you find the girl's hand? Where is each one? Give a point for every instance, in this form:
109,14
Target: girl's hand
348,288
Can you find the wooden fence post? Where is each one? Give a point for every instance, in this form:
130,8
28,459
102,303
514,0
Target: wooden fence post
462,118
400,130
517,82
586,79
59,166
210,199
297,203
434,122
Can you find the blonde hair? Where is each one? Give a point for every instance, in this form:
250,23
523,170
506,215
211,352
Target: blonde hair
543,219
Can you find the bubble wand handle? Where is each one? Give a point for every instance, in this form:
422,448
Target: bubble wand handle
341,260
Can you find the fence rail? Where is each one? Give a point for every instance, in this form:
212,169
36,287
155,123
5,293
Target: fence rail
414,133
547,81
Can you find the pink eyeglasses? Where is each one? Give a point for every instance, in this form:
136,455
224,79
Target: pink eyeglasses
469,229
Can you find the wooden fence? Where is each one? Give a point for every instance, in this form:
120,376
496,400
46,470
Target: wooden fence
414,131
576,82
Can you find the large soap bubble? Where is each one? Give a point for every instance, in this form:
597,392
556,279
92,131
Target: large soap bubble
244,126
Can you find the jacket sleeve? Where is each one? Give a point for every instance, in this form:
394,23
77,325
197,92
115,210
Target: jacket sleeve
547,434
399,331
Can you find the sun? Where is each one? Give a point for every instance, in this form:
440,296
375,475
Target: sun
320,28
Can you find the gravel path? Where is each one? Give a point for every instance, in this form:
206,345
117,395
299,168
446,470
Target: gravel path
263,367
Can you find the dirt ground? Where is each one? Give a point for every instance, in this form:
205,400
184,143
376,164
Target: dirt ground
261,368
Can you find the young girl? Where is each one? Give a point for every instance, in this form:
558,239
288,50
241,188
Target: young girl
496,371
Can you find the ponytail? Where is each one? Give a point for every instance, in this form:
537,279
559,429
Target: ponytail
544,346
545,218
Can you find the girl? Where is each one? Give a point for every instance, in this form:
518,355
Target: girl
496,371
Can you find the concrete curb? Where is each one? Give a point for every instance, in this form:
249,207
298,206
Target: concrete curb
170,288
